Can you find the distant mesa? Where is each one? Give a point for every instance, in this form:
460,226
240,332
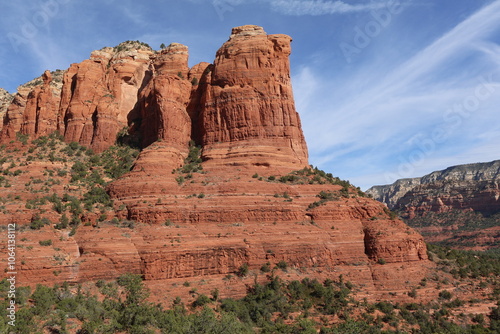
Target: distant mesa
457,207
463,187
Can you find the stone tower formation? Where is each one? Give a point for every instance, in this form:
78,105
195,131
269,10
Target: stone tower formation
240,109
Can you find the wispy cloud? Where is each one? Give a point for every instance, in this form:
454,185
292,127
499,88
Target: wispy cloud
377,123
320,7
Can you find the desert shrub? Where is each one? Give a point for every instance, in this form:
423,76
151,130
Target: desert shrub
45,242
445,294
63,222
266,267
180,180
43,298
282,265
134,288
78,171
96,195
201,300
37,222
23,138
192,163
242,270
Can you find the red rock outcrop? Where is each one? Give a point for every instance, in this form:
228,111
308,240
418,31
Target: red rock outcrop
227,214
234,200
13,118
5,100
248,114
480,196
199,80
33,110
164,99
40,116
100,93
236,222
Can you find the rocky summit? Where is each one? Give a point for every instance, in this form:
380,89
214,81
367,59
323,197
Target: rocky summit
222,181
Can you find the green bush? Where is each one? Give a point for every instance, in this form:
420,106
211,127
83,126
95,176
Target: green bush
271,307
96,195
23,138
201,300
63,222
78,171
445,294
37,222
45,242
266,267
282,265
242,270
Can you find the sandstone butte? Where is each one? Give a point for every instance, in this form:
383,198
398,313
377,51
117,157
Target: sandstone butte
205,225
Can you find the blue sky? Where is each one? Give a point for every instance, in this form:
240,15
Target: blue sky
386,89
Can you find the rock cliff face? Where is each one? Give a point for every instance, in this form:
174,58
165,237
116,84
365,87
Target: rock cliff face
226,203
33,109
13,117
40,117
248,112
464,187
100,94
163,103
458,206
220,182
391,194
5,100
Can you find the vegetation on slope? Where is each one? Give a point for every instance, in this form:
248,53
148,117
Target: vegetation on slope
72,189
305,306
463,228
277,306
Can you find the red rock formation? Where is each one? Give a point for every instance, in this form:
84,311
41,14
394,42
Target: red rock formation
5,100
248,115
236,222
226,216
463,187
14,115
210,217
40,116
456,206
99,94
33,111
442,196
164,99
198,78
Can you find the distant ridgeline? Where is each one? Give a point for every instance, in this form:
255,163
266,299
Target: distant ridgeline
458,206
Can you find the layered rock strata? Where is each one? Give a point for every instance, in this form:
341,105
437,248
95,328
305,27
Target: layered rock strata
248,112
214,187
33,109
457,207
99,94
5,100
464,187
